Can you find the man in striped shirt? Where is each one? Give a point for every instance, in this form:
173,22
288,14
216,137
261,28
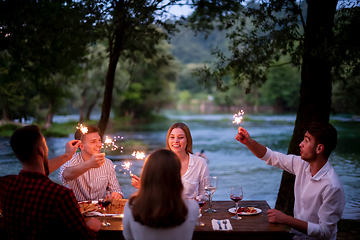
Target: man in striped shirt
89,174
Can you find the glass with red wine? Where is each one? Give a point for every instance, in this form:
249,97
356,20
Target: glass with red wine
236,194
201,201
104,203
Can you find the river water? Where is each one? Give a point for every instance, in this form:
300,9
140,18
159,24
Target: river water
232,162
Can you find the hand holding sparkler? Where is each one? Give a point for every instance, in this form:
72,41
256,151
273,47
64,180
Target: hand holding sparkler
135,181
256,148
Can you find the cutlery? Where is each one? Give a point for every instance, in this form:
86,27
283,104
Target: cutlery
219,224
225,222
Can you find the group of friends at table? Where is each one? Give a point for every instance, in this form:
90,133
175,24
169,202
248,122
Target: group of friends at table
163,207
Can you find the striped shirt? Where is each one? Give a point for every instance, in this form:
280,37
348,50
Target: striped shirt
94,183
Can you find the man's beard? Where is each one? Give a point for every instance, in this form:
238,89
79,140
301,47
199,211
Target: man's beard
46,166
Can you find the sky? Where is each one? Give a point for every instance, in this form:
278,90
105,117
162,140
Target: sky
181,10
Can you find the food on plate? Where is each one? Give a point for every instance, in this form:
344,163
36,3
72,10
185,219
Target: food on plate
116,207
88,206
246,210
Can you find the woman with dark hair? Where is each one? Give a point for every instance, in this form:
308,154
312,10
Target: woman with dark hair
158,210
194,169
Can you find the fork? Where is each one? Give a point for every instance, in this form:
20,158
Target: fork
225,222
219,224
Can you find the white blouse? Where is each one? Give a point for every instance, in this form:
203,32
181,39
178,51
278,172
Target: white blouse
193,179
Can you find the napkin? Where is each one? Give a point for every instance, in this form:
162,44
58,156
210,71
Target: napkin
215,225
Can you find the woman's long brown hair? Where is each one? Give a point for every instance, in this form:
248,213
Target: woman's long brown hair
186,130
159,201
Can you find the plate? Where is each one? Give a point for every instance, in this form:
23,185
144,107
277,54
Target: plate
92,214
232,210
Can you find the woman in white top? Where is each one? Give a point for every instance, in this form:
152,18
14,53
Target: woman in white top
194,169
158,210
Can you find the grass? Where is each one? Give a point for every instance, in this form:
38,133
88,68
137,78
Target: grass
7,129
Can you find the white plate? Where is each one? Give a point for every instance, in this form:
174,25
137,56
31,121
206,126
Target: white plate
91,214
232,210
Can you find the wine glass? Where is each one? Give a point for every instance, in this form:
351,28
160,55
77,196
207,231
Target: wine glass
236,194
201,201
104,203
210,187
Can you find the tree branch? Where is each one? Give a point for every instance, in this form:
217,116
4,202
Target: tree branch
282,64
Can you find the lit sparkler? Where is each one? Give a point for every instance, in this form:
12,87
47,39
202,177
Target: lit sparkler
138,155
82,128
126,166
110,143
238,117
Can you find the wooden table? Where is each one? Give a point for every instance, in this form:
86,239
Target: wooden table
249,227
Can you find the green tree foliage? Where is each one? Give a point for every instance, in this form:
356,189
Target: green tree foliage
149,87
282,88
40,40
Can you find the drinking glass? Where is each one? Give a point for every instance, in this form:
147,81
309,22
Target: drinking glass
236,194
210,187
103,204
201,201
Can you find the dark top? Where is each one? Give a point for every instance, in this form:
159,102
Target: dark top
34,207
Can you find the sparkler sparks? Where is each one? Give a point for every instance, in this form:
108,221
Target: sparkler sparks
82,128
110,143
138,155
238,117
126,166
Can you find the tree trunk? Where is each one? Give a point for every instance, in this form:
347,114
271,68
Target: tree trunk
83,99
109,85
82,106
115,47
315,90
5,114
91,106
49,118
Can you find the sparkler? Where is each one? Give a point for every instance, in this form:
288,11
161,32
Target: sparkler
82,128
110,143
238,117
138,155
126,166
